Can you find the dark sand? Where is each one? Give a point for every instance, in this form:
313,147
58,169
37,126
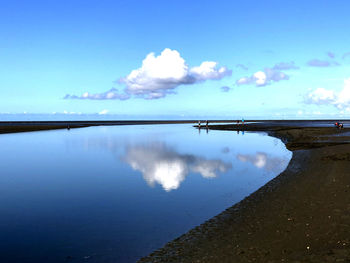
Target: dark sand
303,215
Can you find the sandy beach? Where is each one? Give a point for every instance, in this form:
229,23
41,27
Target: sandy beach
303,215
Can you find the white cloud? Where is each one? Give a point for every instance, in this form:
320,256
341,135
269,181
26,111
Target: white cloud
159,76
343,99
103,112
161,164
209,70
262,78
320,96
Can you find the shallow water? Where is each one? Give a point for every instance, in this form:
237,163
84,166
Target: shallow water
114,194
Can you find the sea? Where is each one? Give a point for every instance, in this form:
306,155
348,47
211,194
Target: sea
117,193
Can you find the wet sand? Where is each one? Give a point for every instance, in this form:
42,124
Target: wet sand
303,215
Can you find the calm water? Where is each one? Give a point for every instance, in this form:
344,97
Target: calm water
114,194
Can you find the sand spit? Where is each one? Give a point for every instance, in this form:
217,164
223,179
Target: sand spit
303,215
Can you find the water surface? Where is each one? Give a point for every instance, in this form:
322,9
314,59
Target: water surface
114,194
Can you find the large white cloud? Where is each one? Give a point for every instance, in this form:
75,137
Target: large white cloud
163,165
320,96
159,76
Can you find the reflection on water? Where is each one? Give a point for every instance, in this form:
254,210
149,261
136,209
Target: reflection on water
114,194
161,164
265,161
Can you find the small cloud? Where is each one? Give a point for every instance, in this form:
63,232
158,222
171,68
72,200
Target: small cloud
225,89
318,63
262,78
111,94
242,66
300,112
103,112
71,112
330,54
321,96
285,66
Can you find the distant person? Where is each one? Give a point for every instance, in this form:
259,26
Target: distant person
199,124
242,121
206,124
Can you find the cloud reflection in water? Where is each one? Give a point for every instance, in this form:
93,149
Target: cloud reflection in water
264,161
163,165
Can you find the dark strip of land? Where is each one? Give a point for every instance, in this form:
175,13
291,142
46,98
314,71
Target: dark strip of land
303,215
26,126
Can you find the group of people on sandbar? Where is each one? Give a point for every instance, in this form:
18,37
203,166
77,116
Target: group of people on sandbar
339,125
206,124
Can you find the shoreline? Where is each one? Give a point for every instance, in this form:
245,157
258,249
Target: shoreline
302,215
31,126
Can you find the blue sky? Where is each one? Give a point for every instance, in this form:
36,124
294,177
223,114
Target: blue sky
263,59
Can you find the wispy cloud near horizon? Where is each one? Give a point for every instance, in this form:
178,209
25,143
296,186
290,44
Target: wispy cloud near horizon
321,63
111,94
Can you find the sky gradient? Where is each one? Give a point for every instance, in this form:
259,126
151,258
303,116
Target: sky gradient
224,59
